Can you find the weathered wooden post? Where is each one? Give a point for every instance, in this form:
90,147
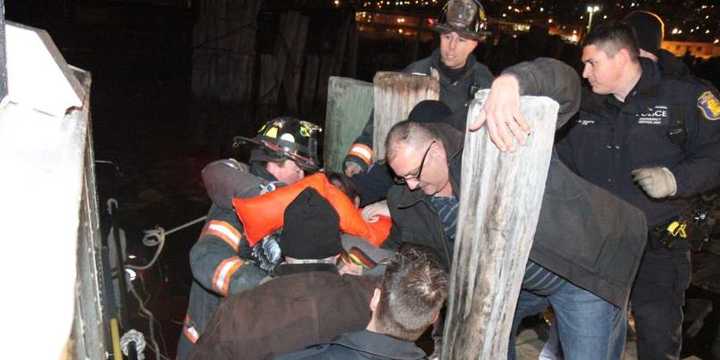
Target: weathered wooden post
223,69
395,95
349,106
290,52
224,49
309,86
499,210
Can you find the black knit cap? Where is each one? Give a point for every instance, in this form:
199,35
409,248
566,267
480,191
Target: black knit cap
311,229
429,111
649,29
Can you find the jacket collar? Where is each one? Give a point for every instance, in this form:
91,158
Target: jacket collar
435,62
380,345
649,79
257,169
646,86
453,141
289,269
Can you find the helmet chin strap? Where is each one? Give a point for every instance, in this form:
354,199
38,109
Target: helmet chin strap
303,162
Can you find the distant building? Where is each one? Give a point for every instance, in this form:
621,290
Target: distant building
703,50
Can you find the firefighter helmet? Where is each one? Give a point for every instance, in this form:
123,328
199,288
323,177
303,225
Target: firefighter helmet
287,137
466,17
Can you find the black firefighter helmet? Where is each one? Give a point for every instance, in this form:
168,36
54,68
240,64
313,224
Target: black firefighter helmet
286,138
466,17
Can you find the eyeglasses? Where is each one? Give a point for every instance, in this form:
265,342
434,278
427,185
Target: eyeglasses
418,173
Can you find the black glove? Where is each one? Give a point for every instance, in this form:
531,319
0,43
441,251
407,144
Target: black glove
267,254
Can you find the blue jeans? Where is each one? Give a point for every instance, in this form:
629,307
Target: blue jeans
589,327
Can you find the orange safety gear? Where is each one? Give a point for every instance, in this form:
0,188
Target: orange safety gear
263,215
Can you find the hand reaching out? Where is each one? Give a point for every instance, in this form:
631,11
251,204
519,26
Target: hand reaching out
501,113
371,212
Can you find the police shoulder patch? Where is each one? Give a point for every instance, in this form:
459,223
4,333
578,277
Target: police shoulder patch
709,104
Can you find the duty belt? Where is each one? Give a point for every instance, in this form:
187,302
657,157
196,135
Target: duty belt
683,232
667,234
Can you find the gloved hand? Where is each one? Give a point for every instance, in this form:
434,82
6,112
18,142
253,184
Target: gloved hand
267,253
371,212
657,182
352,168
247,277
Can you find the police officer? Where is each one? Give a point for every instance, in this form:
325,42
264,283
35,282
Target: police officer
653,141
461,26
222,262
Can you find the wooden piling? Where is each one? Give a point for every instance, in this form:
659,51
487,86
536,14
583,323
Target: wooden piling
499,211
310,82
224,50
349,106
395,95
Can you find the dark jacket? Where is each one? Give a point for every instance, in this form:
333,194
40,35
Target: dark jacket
584,234
414,219
307,304
455,94
360,345
611,138
670,65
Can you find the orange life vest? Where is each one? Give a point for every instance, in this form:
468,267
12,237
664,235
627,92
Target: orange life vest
262,215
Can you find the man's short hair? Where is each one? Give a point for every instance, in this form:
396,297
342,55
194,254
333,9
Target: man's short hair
612,37
409,133
414,289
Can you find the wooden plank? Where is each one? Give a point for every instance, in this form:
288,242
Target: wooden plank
268,91
499,210
395,95
351,64
341,44
283,43
310,80
224,49
242,78
326,62
349,106
293,70
269,87
3,59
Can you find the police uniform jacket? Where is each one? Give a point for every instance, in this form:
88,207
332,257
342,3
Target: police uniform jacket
665,121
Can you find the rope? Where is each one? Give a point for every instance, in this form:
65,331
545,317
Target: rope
112,203
156,237
151,319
